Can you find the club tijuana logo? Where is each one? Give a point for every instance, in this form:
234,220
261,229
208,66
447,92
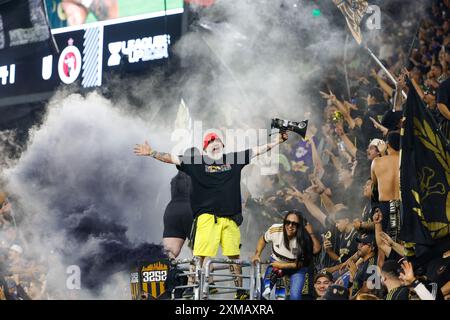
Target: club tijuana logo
69,64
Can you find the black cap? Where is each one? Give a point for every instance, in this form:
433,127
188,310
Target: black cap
323,273
391,119
367,238
336,292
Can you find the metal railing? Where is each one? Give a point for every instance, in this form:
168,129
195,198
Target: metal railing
213,273
209,276
196,274
281,282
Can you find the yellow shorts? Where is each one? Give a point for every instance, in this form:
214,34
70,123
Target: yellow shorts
209,234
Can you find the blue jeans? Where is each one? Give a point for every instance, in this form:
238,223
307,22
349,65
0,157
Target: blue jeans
296,279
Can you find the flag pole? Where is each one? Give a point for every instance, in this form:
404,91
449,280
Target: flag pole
414,41
391,77
345,66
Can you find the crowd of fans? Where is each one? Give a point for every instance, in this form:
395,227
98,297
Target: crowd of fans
344,177
22,277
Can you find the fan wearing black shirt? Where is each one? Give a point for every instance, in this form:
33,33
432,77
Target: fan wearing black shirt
216,194
347,240
443,104
390,279
365,267
365,224
376,109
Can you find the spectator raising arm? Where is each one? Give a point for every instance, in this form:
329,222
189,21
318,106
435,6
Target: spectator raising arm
336,163
146,150
379,126
341,106
408,279
349,145
383,84
309,204
259,150
444,110
392,244
316,243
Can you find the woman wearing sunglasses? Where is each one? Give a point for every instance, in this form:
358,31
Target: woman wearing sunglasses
293,247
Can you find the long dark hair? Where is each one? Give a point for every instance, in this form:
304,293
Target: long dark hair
304,241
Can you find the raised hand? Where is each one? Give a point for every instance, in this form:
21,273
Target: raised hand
386,239
407,276
283,136
378,216
373,73
327,245
351,266
405,73
328,96
376,124
357,223
143,149
5,207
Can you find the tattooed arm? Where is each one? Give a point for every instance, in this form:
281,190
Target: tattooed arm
145,150
259,150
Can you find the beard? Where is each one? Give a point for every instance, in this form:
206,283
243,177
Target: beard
215,155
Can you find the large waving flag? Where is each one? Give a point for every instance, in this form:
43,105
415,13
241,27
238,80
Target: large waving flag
424,176
353,11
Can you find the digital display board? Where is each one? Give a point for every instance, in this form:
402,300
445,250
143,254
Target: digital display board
64,13
88,53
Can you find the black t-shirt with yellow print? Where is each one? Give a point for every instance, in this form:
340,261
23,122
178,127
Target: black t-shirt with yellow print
216,185
399,293
347,245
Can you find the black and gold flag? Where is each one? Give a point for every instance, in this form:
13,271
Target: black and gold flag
424,176
353,11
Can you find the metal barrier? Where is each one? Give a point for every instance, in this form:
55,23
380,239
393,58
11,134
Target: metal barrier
254,278
211,273
196,273
281,282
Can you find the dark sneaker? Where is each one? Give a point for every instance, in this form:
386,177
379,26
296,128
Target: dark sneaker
242,295
188,293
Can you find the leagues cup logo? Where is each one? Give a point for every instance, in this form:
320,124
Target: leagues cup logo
69,64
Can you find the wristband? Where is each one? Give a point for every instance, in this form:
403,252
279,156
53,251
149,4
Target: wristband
415,283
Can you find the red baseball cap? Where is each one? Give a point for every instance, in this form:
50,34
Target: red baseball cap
209,138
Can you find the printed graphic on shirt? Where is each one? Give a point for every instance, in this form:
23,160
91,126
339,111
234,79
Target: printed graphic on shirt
217,168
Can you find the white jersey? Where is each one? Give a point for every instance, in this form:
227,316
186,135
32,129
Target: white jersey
279,251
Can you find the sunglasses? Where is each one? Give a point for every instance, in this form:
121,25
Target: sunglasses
293,223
